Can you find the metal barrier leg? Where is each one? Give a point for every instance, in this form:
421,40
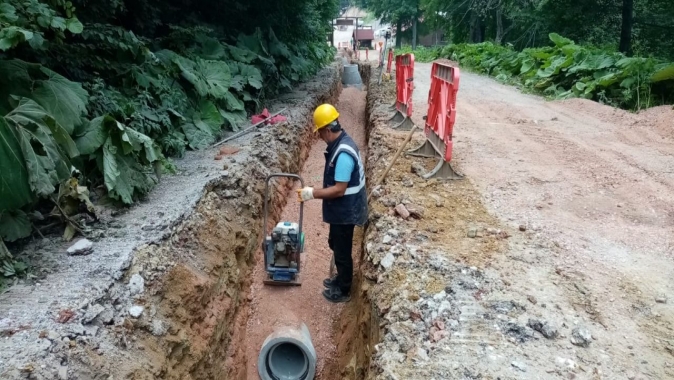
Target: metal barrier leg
426,150
404,125
397,118
443,170
394,106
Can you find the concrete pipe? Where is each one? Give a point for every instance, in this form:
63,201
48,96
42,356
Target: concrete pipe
287,354
351,77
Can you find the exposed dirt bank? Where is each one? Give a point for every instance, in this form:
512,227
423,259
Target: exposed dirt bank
550,260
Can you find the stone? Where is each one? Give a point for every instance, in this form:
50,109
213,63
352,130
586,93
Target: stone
393,233
402,211
532,299
387,261
472,233
63,372
581,337
106,316
523,227
437,199
136,284
661,299
387,239
158,328
549,331
417,212
521,366
81,248
92,312
422,354
53,336
136,311
76,329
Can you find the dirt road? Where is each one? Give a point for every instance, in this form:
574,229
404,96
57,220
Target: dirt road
594,185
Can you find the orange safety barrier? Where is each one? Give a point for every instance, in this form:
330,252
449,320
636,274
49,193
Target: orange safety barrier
390,61
404,90
440,119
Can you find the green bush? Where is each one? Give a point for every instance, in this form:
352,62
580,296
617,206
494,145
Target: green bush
110,97
565,70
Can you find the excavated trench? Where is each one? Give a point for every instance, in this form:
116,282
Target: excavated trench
201,292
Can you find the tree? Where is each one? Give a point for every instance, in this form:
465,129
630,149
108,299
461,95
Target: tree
398,12
626,28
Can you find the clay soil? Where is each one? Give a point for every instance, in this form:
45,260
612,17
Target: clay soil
565,216
273,306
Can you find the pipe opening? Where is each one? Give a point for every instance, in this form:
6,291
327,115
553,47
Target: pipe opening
287,361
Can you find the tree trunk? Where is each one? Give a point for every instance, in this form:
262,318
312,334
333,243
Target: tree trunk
499,27
475,28
626,30
399,41
414,34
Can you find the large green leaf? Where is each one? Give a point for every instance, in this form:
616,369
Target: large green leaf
210,48
15,191
27,112
241,55
559,40
110,170
47,162
209,115
235,119
663,74
233,103
66,101
208,77
197,137
276,47
74,26
131,180
14,225
145,144
94,135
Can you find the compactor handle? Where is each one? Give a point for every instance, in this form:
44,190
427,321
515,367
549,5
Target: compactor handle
266,195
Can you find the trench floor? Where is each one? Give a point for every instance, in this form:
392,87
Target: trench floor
273,306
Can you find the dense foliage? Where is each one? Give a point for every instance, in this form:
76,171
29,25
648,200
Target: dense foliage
640,27
95,95
566,70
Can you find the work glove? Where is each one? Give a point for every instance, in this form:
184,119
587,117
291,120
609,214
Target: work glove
305,194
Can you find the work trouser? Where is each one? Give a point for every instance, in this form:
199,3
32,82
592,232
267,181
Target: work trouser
340,241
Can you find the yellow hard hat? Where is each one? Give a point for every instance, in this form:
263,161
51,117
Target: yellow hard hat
324,115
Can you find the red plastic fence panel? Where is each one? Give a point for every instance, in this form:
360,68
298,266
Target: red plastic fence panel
442,105
390,61
404,83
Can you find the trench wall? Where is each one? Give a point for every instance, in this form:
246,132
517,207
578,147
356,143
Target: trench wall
198,278
359,330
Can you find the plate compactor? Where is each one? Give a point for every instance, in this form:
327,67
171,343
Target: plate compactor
283,248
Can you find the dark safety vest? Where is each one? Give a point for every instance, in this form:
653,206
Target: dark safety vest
352,207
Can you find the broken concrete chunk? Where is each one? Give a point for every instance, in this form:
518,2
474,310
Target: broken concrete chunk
76,330
136,284
136,311
387,261
82,247
92,312
581,337
387,239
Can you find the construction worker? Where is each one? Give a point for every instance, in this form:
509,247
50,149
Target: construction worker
344,198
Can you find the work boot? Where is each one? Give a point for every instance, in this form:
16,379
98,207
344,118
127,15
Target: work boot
330,282
335,295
